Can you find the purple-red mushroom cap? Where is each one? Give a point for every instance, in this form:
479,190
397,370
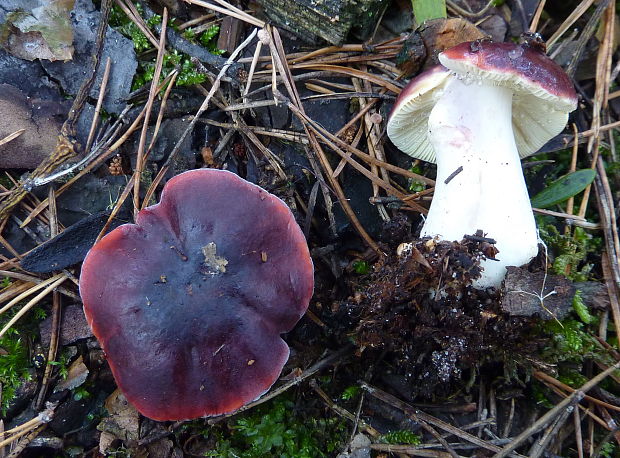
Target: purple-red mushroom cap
189,303
543,94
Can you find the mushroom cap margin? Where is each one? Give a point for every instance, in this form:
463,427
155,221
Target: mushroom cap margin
543,92
408,122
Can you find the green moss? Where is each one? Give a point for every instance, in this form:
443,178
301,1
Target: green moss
350,392
208,39
570,251
581,309
539,393
14,366
124,25
361,267
572,378
415,185
188,75
15,363
569,341
609,450
400,437
275,428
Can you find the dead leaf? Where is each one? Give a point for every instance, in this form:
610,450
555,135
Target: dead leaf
123,421
77,374
441,34
45,32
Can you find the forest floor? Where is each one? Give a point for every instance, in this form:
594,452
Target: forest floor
397,354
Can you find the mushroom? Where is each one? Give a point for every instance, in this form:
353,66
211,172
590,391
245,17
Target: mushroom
189,302
488,105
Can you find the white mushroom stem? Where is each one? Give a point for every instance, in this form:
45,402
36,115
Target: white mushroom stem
480,183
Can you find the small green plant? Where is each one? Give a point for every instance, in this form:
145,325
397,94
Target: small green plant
609,450
361,267
208,38
569,340
570,251
275,428
581,309
401,437
188,75
15,361
124,25
563,188
350,392
81,393
276,431
14,365
415,185
571,377
539,393
62,364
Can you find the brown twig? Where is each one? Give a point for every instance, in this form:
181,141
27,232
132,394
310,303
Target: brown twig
12,136
553,413
205,104
307,373
149,105
342,411
102,88
418,416
569,21
56,313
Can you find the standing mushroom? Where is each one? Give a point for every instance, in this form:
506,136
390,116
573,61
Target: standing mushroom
189,303
487,106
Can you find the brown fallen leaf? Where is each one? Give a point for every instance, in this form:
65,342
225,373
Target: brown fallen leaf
123,421
76,375
441,34
422,46
45,32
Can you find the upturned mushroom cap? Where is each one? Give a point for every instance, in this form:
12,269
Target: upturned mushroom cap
543,94
189,302
407,124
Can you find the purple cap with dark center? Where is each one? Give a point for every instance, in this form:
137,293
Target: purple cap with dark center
189,302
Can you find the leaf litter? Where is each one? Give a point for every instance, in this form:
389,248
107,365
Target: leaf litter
425,345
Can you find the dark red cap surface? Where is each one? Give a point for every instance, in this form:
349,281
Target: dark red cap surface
524,62
189,302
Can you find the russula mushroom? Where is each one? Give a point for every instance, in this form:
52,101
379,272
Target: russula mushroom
189,302
488,105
